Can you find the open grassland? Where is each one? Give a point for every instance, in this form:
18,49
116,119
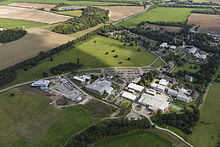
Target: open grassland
31,15
207,23
47,7
72,13
158,63
92,55
190,67
12,23
28,119
120,12
207,131
140,138
30,45
66,2
161,14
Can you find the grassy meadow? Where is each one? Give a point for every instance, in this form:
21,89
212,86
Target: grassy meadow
72,13
12,23
140,138
158,63
161,14
207,131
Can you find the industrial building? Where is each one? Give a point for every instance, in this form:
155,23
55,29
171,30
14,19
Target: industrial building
153,103
128,96
136,87
163,82
42,84
158,87
100,86
82,78
179,95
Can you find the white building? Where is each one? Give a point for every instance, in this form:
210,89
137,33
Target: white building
150,91
193,50
82,78
158,87
173,47
100,86
164,45
183,97
179,95
199,56
153,103
42,84
136,87
172,92
163,82
128,96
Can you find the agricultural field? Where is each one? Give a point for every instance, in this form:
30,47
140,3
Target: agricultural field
47,7
161,14
72,13
12,23
206,133
207,23
140,138
120,12
28,119
92,55
31,15
35,41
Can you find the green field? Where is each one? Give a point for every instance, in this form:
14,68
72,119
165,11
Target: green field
27,119
138,138
92,55
72,13
158,63
190,67
66,2
207,131
11,23
161,14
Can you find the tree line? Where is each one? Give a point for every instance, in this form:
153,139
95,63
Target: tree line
11,34
91,16
107,128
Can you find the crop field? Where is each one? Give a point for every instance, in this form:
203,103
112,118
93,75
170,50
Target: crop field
72,13
161,14
30,45
47,7
119,12
138,138
31,15
28,119
206,133
207,23
12,23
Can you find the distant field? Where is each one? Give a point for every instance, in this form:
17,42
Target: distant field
11,23
138,138
161,14
47,7
72,13
27,119
207,131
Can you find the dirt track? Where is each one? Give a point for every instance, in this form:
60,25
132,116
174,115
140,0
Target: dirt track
119,12
208,23
31,15
30,45
47,7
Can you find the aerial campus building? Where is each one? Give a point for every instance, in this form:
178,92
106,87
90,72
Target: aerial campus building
100,86
128,96
42,84
179,95
135,87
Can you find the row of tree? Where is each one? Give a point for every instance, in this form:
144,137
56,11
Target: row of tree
11,34
91,16
105,129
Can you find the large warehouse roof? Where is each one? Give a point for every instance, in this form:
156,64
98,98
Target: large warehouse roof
128,95
41,83
136,87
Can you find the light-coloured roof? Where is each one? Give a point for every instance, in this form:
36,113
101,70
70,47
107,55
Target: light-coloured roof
41,83
150,91
153,101
158,86
82,78
128,95
193,50
163,82
100,86
136,87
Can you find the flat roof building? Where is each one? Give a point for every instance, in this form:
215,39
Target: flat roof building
158,87
136,87
100,86
193,50
164,45
163,82
82,78
183,97
42,84
128,96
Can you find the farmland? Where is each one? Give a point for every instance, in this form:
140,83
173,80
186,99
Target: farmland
137,138
120,12
72,13
47,7
161,14
35,41
30,15
206,132
11,23
207,23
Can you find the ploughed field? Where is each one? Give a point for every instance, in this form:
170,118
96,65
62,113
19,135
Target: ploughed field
31,15
207,23
30,45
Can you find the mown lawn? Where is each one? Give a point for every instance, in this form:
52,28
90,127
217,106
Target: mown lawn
190,67
207,131
27,119
11,23
140,138
158,63
161,14
92,55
